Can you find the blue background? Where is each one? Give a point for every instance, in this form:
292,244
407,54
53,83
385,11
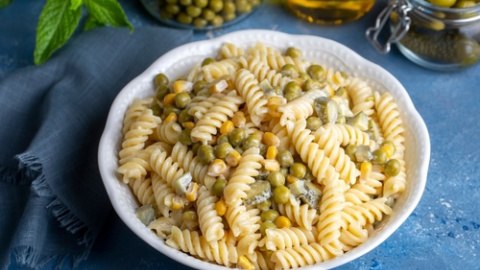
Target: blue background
444,230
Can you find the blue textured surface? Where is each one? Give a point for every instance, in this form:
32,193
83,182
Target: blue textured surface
444,230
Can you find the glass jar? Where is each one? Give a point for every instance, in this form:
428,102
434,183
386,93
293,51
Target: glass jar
200,14
330,11
431,36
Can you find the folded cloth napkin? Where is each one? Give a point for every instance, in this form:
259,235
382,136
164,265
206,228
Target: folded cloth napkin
52,200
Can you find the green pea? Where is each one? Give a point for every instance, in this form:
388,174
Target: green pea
170,109
217,21
222,139
205,154
311,84
265,205
229,7
289,70
269,215
156,110
185,2
194,11
281,194
304,76
229,16
237,136
195,147
298,170
316,72
276,179
182,99
392,167
161,79
389,143
222,150
292,90
172,9
184,116
184,18
379,157
219,186
208,14
285,158
201,3
244,7
161,92
216,5
199,86
293,52
341,92
199,22
251,141
208,61
265,226
185,138
314,123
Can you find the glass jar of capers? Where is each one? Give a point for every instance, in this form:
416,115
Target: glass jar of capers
436,34
200,14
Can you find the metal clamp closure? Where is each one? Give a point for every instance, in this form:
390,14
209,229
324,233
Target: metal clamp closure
398,31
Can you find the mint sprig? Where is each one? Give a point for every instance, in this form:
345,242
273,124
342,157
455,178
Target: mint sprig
4,3
60,18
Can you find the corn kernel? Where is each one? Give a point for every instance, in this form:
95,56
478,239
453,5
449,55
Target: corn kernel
365,169
172,117
244,263
271,139
182,86
239,119
271,165
388,149
276,100
227,127
271,152
192,192
217,167
273,112
221,207
291,178
169,99
188,124
233,158
283,222
177,203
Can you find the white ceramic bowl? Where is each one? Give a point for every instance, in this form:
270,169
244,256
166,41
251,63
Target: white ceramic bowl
315,49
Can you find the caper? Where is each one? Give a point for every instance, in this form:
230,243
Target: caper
281,194
298,170
229,7
293,52
172,9
170,109
185,138
265,226
194,11
289,70
316,72
392,167
269,215
200,3
276,178
216,5
237,136
161,79
314,123
184,18
251,141
199,22
219,186
208,61
229,16
379,157
205,154
222,150
285,158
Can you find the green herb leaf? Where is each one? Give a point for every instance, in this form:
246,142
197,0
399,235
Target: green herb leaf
92,23
76,4
56,25
107,12
4,3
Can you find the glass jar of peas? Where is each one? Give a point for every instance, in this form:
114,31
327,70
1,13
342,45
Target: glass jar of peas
437,34
200,14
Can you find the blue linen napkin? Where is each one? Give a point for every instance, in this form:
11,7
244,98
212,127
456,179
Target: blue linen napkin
52,200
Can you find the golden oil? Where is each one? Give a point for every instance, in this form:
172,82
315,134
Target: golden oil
330,11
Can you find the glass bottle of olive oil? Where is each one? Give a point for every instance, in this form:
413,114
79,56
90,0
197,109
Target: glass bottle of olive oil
330,11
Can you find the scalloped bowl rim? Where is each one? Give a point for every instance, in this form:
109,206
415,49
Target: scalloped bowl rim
321,50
